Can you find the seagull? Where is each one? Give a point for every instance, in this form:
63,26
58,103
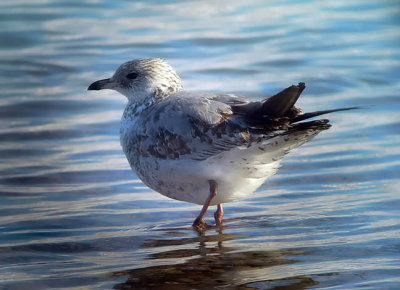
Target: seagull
201,147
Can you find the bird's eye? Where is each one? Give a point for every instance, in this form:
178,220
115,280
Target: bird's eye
132,76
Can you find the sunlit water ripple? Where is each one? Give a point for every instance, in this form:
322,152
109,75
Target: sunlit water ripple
73,215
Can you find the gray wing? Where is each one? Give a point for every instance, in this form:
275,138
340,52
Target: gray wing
200,125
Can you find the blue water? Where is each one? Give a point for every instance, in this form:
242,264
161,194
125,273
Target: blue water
73,215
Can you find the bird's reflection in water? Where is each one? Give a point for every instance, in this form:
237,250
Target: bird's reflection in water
211,265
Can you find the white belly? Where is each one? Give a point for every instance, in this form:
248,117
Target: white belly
187,180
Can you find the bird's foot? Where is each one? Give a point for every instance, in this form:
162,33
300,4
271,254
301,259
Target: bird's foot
218,215
200,225
218,219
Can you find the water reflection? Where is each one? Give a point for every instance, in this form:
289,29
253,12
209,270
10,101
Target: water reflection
204,262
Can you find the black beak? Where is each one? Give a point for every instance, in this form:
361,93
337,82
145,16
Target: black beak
99,85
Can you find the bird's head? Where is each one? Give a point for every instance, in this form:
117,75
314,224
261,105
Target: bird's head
142,78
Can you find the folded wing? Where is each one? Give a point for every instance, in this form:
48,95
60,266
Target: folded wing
201,125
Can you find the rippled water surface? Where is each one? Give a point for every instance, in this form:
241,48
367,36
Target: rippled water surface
73,215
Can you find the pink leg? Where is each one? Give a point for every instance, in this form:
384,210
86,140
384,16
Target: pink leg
218,215
199,221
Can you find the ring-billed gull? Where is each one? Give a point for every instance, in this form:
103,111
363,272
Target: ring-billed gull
199,147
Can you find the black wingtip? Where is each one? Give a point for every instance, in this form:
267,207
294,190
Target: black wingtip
279,104
318,113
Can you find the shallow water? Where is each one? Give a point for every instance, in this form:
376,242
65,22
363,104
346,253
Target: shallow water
73,215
